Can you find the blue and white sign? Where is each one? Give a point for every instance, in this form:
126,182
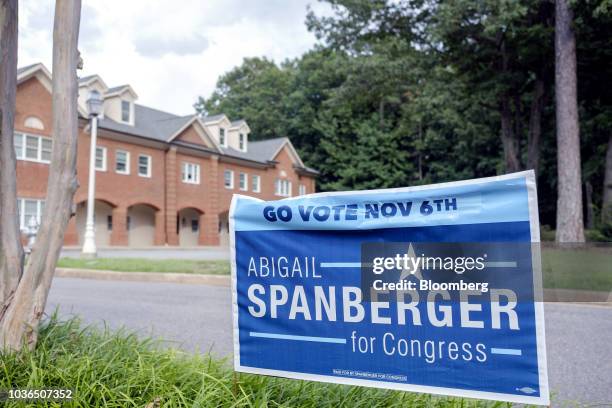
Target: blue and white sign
302,308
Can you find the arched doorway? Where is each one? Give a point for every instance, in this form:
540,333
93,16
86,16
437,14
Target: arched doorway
103,221
141,225
188,226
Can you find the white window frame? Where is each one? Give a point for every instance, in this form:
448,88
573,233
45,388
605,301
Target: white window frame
231,173
302,189
242,142
127,162
23,223
223,132
186,167
149,165
129,110
104,151
282,188
24,136
256,183
243,181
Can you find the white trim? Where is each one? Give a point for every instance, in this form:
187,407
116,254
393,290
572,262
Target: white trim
258,184
225,136
231,172
104,161
246,181
24,136
149,166
130,120
204,134
244,143
121,91
543,399
302,189
292,150
185,166
127,162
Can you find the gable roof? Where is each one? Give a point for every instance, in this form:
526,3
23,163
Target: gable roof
161,126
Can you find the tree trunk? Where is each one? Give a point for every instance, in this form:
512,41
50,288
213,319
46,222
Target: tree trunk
19,324
509,137
606,205
11,252
590,213
570,226
535,125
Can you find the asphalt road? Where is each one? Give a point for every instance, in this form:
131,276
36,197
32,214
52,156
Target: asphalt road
200,253
198,318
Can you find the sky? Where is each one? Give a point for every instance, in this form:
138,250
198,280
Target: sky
171,51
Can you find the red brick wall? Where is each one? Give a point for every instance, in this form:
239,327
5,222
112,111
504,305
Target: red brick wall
164,190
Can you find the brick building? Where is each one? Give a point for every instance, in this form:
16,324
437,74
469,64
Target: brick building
161,179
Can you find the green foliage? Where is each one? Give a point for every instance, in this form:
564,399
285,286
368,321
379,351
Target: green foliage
118,369
409,92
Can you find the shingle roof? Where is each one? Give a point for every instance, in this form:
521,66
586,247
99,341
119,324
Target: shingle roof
160,126
24,69
149,123
261,151
116,88
212,118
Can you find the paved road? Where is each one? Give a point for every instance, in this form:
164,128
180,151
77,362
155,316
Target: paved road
203,253
197,317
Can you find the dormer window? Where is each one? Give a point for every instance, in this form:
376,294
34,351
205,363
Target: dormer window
242,141
222,140
126,108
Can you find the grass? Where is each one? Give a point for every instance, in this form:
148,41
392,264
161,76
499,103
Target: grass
117,369
578,268
572,268
148,265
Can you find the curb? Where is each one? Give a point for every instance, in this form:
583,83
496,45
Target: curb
213,280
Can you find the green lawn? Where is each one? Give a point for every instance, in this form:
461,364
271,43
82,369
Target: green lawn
117,369
148,265
586,269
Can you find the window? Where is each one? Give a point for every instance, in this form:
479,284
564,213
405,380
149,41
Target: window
45,149
302,189
228,179
18,142
144,165
109,222
242,141
32,147
191,173
29,209
122,162
242,181
256,184
101,158
195,225
126,107
282,188
222,139
128,223
32,150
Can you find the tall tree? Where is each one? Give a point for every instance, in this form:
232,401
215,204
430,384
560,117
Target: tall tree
23,308
570,225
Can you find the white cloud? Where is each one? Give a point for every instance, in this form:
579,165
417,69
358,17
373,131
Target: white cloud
171,51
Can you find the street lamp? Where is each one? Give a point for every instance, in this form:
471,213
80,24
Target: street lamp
94,107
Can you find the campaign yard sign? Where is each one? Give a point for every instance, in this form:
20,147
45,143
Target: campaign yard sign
428,289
